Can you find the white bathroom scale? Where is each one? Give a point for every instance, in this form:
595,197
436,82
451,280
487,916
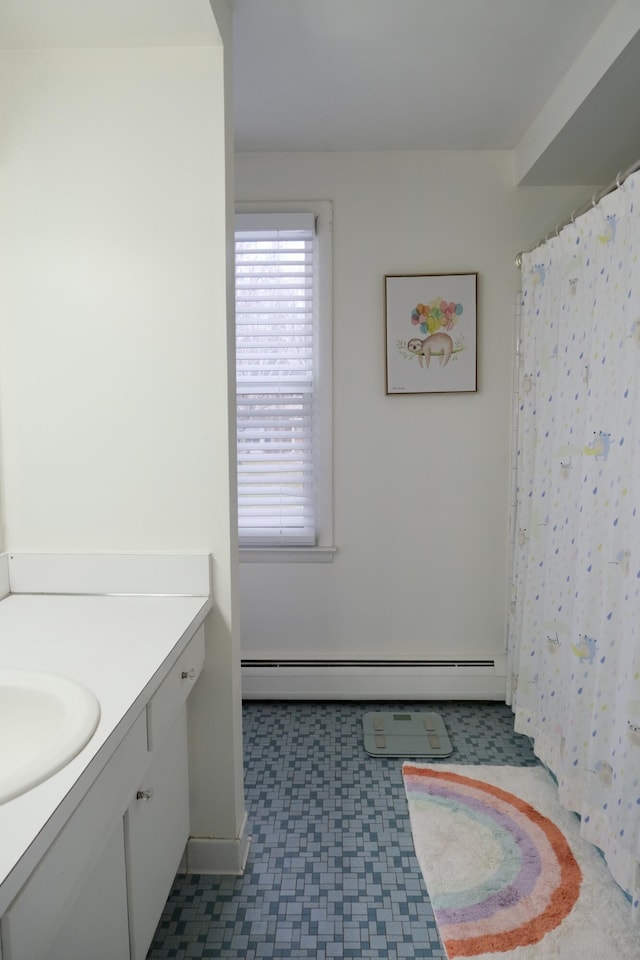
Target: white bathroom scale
410,734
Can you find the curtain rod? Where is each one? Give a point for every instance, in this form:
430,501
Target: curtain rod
595,200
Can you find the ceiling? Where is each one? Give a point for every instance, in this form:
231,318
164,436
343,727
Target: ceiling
554,81
444,75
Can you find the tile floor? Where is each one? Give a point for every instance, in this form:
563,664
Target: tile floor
331,870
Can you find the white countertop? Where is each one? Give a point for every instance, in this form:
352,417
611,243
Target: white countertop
119,646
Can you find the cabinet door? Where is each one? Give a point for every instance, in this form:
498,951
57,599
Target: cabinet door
96,927
156,834
36,916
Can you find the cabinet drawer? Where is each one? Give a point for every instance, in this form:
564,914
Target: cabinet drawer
59,878
166,703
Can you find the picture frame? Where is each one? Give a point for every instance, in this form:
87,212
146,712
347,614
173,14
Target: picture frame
431,333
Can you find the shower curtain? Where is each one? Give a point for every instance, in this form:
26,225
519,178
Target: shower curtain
574,624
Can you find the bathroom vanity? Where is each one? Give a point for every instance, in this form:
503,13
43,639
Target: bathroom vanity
87,856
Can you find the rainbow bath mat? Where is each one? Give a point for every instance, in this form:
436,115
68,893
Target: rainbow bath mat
512,878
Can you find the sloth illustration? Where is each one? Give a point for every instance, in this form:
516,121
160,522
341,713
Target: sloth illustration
438,345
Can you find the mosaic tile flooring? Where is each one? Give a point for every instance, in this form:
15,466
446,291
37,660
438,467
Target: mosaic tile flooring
331,870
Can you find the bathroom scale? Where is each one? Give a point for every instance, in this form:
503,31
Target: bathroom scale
406,734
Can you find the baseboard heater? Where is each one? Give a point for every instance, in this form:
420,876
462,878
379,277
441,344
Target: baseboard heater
296,679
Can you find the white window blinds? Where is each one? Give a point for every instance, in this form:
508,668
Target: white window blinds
275,335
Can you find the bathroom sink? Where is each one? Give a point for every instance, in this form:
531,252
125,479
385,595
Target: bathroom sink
45,721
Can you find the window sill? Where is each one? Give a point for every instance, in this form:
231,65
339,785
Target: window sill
287,554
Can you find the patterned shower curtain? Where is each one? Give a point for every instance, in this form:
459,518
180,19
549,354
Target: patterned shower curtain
574,625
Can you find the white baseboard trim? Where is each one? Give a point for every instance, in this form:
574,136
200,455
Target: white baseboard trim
222,857
471,680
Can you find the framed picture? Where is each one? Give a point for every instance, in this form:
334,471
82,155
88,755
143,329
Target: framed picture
431,333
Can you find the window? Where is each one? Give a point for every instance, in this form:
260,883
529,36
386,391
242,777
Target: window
283,337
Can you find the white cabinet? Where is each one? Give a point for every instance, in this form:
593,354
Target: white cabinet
156,834
157,820
100,889
38,913
97,925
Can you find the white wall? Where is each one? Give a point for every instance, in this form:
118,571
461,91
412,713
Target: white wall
420,482
113,310
107,294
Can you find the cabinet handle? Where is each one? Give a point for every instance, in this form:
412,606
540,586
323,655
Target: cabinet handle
188,674
144,795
